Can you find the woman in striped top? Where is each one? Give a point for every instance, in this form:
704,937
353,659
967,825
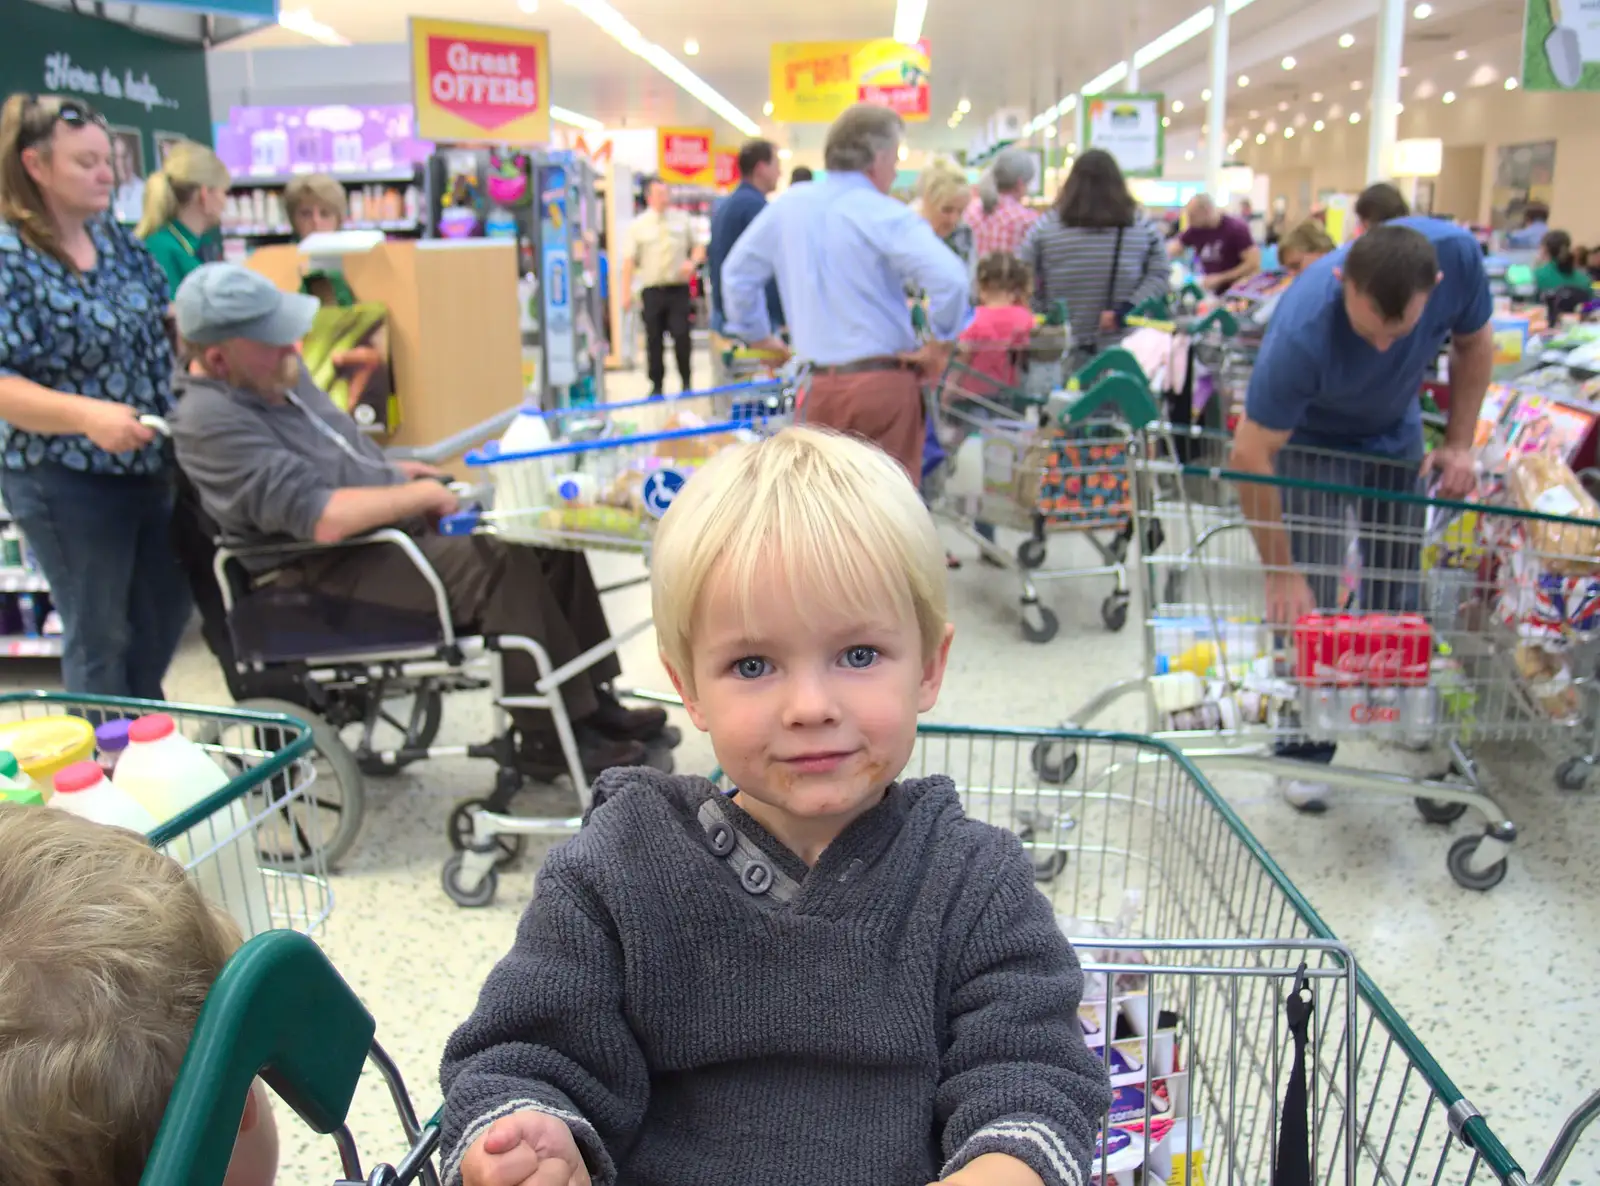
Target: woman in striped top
1096,254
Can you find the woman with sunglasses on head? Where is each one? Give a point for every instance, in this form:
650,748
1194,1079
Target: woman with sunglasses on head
83,355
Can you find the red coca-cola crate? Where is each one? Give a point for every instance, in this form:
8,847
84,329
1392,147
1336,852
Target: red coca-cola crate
1373,650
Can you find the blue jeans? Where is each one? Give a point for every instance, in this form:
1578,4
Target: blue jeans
104,543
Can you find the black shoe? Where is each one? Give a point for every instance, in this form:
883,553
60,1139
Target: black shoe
541,757
612,720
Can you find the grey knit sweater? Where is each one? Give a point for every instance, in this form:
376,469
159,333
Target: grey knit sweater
703,1010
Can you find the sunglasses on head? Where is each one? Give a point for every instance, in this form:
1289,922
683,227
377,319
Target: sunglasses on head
71,112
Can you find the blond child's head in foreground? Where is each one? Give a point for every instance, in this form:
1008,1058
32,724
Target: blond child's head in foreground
798,587
107,951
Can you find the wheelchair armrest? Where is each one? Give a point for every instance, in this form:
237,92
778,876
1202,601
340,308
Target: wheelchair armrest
461,442
288,552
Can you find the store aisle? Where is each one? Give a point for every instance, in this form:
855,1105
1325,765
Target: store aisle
1494,984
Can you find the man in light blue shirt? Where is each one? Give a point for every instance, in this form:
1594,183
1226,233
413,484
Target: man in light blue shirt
843,252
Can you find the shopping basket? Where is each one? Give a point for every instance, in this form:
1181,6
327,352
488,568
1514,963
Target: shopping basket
1193,940
279,1010
254,846
1441,626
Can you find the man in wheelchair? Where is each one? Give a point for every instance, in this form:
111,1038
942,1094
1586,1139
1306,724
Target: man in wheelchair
276,465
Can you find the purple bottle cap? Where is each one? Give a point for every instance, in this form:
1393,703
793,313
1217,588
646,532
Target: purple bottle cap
112,737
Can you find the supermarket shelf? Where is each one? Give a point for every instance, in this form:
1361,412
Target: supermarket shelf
272,180
21,580
16,646
250,231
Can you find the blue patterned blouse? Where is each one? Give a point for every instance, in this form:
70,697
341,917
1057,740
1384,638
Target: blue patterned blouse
100,334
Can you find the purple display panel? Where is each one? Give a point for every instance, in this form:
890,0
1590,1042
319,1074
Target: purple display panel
277,141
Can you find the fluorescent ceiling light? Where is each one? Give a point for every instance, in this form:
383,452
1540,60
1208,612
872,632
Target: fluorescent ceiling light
1177,106
690,46
1049,131
783,155
1448,97
767,108
635,42
1346,40
1107,79
528,6
964,106
1244,80
908,18
1205,95
300,20
587,122
1288,62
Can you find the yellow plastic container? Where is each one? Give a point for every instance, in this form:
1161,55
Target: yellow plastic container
44,745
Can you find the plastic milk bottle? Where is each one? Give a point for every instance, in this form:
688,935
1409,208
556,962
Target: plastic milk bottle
83,789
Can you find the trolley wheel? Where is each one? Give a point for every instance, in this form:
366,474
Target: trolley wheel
1573,774
1046,867
1030,553
1039,622
427,729
1436,811
508,849
1053,762
481,895
1114,611
1459,862
337,798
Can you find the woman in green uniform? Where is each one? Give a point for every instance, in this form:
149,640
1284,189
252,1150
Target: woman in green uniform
183,204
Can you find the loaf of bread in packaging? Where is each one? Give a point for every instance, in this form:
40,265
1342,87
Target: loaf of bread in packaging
1545,483
1548,681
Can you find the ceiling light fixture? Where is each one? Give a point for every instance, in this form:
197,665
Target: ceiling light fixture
1318,126
528,6
783,155
1288,62
1106,79
1511,84
1072,150
1405,72
300,20
1355,117
908,18
1205,95
1288,133
1188,155
1422,11
1177,106
573,119
1346,40
1261,137
903,154
1166,121
691,46
1316,96
1461,55
1448,97
1355,84
1244,80
1399,108
1283,105
1255,114
635,42
1049,131
964,106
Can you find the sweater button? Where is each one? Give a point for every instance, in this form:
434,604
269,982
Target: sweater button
720,839
756,878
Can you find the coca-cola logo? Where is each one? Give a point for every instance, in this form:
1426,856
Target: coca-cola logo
489,84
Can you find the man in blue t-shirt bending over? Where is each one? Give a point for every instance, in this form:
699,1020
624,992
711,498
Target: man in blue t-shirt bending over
1340,374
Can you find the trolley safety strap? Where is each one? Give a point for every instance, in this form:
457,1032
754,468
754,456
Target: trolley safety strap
1293,1165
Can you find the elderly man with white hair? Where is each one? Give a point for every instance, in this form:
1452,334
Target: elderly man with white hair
844,254
998,219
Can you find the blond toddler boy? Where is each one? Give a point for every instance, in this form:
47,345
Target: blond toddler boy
107,951
826,975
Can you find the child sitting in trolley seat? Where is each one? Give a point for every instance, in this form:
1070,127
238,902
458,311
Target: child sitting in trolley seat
825,975
107,952
1001,326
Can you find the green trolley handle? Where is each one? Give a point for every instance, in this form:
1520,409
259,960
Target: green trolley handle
278,1010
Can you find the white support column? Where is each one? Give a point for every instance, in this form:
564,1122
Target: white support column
1217,110
1384,123
1131,83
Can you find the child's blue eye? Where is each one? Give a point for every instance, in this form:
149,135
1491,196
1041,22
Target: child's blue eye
861,657
750,667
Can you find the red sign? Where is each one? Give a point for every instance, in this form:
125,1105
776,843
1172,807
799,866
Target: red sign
727,168
473,81
911,102
684,156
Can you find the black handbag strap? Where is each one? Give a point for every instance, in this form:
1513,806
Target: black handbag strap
1293,1165
1116,266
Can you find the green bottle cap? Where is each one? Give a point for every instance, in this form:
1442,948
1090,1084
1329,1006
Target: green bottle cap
8,764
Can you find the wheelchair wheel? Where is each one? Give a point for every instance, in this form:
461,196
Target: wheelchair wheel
332,809
413,723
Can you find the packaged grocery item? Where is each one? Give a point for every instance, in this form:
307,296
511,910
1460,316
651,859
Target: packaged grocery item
1548,680
26,796
1177,690
168,774
601,520
1118,1154
82,789
111,738
1366,649
12,774
1543,482
44,745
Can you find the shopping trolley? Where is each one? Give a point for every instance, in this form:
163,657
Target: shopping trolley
1193,941
1441,626
254,846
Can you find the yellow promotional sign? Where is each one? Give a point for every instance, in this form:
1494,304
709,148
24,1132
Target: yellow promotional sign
684,156
480,82
815,81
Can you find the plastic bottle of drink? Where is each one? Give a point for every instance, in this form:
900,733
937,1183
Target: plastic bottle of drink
13,774
84,790
111,738
167,773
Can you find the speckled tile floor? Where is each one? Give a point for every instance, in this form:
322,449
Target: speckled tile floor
1499,986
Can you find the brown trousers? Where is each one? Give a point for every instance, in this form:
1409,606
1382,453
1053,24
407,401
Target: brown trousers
885,407
494,587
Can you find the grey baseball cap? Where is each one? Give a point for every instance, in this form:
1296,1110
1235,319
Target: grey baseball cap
216,302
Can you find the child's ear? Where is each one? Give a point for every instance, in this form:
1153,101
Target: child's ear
933,669
686,694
